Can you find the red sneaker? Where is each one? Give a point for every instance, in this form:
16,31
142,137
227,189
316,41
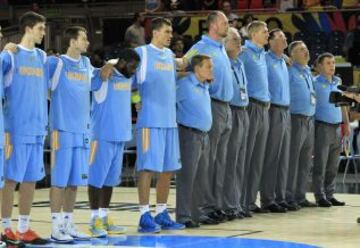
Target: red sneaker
9,237
31,237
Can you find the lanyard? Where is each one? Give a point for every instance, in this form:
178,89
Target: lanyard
236,77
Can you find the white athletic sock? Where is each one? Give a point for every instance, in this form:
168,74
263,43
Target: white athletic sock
103,212
67,217
160,207
6,223
56,221
23,223
94,213
144,209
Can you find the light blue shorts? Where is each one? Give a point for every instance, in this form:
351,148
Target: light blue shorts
106,161
158,149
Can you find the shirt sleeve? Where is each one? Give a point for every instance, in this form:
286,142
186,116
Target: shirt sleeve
96,80
8,67
54,67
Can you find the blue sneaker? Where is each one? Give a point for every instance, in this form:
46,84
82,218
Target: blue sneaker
147,224
163,219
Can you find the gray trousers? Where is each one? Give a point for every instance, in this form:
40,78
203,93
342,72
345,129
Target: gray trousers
255,153
219,135
235,160
274,175
326,160
193,146
301,151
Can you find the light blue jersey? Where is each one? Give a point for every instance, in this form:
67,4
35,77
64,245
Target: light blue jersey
221,88
25,84
70,82
1,109
240,98
326,111
278,76
253,58
157,87
111,108
302,92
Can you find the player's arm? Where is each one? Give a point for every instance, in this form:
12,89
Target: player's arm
346,120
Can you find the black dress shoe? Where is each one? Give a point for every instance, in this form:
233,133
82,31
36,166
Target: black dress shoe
205,220
218,216
274,208
289,207
307,204
247,214
240,215
335,202
191,224
258,210
230,214
324,203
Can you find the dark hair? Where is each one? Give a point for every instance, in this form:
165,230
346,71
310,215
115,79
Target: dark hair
273,32
323,56
198,59
293,45
136,16
212,17
72,33
158,22
30,19
128,55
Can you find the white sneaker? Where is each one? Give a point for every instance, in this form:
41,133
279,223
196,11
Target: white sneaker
71,230
59,236
2,244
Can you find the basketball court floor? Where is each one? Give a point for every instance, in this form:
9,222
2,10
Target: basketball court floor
335,227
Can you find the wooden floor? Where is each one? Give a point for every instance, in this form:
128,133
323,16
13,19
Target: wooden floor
334,227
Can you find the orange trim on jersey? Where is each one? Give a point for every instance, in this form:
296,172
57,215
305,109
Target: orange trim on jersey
8,146
55,144
94,145
145,139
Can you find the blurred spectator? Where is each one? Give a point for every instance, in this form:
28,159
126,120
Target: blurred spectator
286,4
226,8
246,20
207,4
350,3
178,47
153,5
352,45
135,34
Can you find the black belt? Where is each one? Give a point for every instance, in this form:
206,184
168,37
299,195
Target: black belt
279,106
219,101
328,124
238,107
264,104
305,117
193,129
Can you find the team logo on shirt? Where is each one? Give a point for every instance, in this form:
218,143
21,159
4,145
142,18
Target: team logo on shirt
121,86
75,76
163,66
324,86
31,71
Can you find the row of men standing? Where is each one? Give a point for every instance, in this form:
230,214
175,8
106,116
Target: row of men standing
263,112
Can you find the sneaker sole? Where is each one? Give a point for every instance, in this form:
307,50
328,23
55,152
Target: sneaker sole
80,239
61,241
147,231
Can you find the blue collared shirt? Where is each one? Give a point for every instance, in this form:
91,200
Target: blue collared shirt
193,103
221,88
278,76
240,97
301,90
253,58
326,111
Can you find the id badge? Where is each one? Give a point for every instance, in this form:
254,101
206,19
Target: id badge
243,94
312,98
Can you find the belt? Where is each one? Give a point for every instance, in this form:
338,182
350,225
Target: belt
219,101
192,129
328,124
264,104
238,107
279,106
305,117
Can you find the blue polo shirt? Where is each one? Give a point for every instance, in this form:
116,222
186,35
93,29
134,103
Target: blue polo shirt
253,58
240,98
193,103
301,90
221,88
326,111
278,77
